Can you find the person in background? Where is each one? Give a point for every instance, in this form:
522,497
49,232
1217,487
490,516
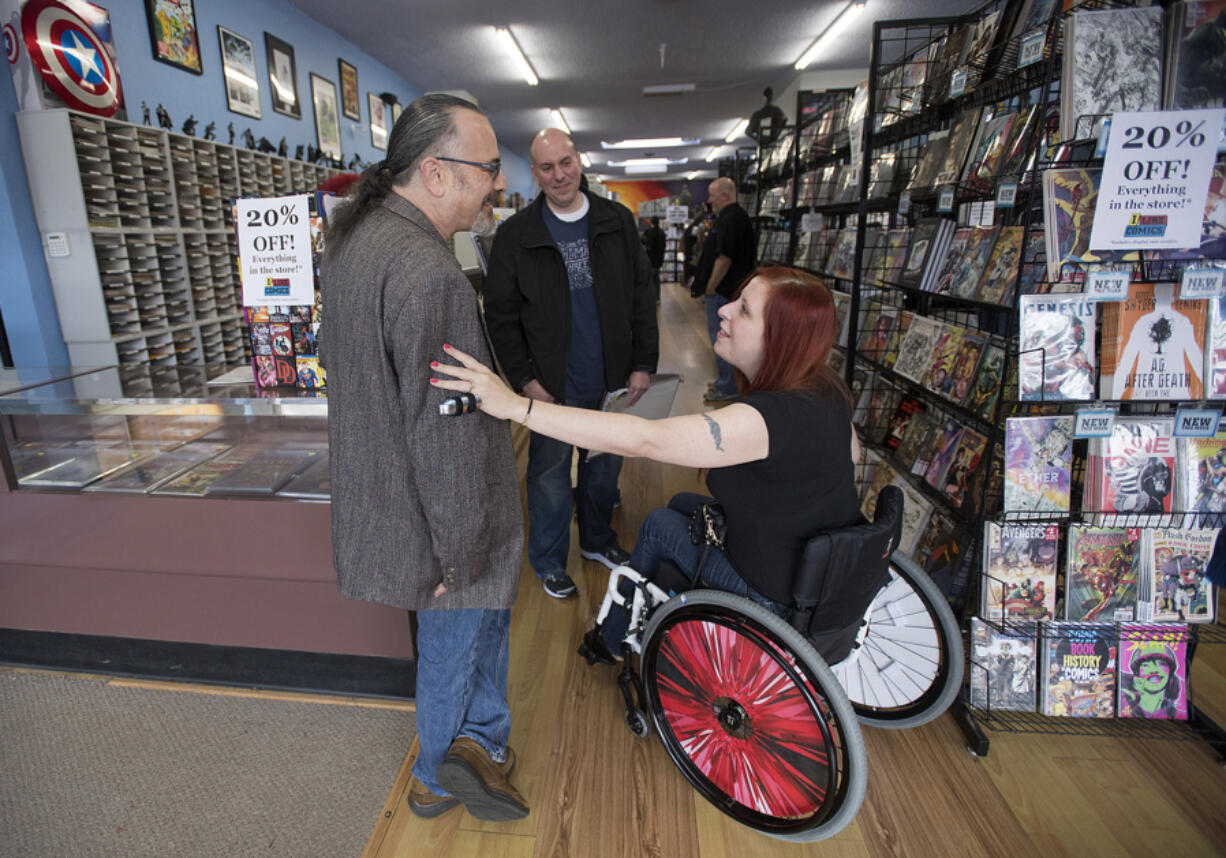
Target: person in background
731,251
780,457
653,243
572,316
425,508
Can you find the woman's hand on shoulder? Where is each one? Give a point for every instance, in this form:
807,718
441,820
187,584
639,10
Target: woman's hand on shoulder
472,376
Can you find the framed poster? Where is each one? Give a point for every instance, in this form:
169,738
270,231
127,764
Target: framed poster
173,34
351,105
238,73
397,109
379,124
327,116
283,77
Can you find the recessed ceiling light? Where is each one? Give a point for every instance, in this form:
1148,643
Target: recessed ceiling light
668,89
648,143
521,59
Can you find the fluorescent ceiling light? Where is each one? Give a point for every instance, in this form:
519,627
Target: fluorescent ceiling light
668,89
737,131
584,159
525,67
648,143
691,175
647,162
712,155
643,169
826,36
559,119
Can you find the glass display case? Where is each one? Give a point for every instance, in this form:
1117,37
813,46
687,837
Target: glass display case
195,431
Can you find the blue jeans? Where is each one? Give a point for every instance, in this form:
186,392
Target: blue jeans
665,535
461,686
725,381
551,500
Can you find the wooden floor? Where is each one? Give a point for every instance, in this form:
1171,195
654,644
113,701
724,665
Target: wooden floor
595,790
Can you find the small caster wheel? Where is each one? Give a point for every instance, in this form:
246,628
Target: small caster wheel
637,722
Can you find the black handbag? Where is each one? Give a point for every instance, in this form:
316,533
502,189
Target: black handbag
707,525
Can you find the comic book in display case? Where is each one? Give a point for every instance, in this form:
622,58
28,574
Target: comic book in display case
971,348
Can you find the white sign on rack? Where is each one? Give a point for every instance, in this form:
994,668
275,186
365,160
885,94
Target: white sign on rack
678,214
274,250
1202,283
1106,285
1155,179
811,222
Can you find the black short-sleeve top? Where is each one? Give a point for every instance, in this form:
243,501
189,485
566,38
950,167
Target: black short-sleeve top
804,485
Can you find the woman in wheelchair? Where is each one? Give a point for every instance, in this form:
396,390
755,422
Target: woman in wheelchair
779,457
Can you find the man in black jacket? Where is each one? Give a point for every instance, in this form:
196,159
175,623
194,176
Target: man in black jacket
653,243
571,314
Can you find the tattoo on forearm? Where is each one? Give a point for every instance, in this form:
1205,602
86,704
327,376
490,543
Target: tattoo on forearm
715,431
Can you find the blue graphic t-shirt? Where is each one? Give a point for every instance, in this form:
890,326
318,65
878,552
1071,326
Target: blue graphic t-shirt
585,368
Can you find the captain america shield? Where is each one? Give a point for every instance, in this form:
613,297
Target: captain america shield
70,57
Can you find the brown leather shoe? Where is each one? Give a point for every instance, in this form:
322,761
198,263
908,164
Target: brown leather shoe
425,803
468,773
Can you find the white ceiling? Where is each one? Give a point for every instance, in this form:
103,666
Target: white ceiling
593,60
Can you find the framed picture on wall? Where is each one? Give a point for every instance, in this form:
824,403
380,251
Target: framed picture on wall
327,116
173,33
282,77
397,109
238,73
351,104
379,124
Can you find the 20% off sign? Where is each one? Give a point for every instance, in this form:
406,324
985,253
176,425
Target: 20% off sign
1155,180
274,250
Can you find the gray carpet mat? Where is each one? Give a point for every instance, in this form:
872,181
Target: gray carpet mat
89,769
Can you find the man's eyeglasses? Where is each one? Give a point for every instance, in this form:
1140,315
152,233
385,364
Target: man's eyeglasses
491,167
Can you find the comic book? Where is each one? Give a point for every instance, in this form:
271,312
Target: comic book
148,475
917,347
944,352
1038,464
898,240
1194,61
1019,571
1215,350
1057,348
1103,573
1034,266
984,391
961,376
196,481
313,483
908,408
1201,484
883,475
1130,475
1112,64
1069,199
1179,591
1153,681
961,136
843,258
1153,345
883,402
919,433
310,373
1077,667
916,510
932,158
968,456
963,281
928,240
943,457
875,337
1213,227
1000,275
987,152
1003,670
897,334
942,283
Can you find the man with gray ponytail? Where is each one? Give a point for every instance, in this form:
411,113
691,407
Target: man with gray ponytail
425,508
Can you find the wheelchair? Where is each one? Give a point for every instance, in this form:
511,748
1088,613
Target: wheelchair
762,715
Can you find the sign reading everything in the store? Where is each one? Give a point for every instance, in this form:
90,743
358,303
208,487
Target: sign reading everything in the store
274,250
1155,179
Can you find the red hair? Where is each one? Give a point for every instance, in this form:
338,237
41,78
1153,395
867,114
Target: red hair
798,330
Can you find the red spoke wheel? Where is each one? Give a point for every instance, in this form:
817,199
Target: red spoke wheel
752,716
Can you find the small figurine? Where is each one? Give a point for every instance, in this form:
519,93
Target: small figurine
283,148
164,118
189,125
353,163
144,112
249,139
231,127
312,154
265,145
208,131
298,153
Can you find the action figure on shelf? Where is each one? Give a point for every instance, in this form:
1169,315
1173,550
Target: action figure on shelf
265,145
312,154
283,148
230,128
189,125
164,118
298,153
767,121
144,112
209,131
249,139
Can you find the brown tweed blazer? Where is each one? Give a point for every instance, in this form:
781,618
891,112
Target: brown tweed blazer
417,498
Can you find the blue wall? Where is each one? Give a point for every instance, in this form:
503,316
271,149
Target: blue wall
25,292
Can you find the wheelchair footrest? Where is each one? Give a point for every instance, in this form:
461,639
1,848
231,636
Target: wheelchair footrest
593,649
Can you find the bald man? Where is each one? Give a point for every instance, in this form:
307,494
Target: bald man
730,251
571,313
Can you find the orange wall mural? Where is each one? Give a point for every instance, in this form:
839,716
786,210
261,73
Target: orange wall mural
631,194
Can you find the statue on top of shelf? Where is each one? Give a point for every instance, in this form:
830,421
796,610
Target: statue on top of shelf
164,118
230,127
209,131
353,162
189,125
283,148
144,112
766,123
265,145
298,153
312,154
249,139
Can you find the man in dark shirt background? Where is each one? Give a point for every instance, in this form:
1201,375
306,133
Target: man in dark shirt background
653,243
731,252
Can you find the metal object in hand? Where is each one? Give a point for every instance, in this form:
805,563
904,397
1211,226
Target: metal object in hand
463,403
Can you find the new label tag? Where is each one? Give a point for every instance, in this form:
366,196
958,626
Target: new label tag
1202,283
1094,423
1031,50
904,202
1196,422
1006,195
957,82
945,202
1106,285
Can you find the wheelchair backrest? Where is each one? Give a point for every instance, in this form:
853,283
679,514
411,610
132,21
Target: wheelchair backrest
840,572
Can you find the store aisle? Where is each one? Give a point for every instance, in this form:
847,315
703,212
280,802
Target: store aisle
598,792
